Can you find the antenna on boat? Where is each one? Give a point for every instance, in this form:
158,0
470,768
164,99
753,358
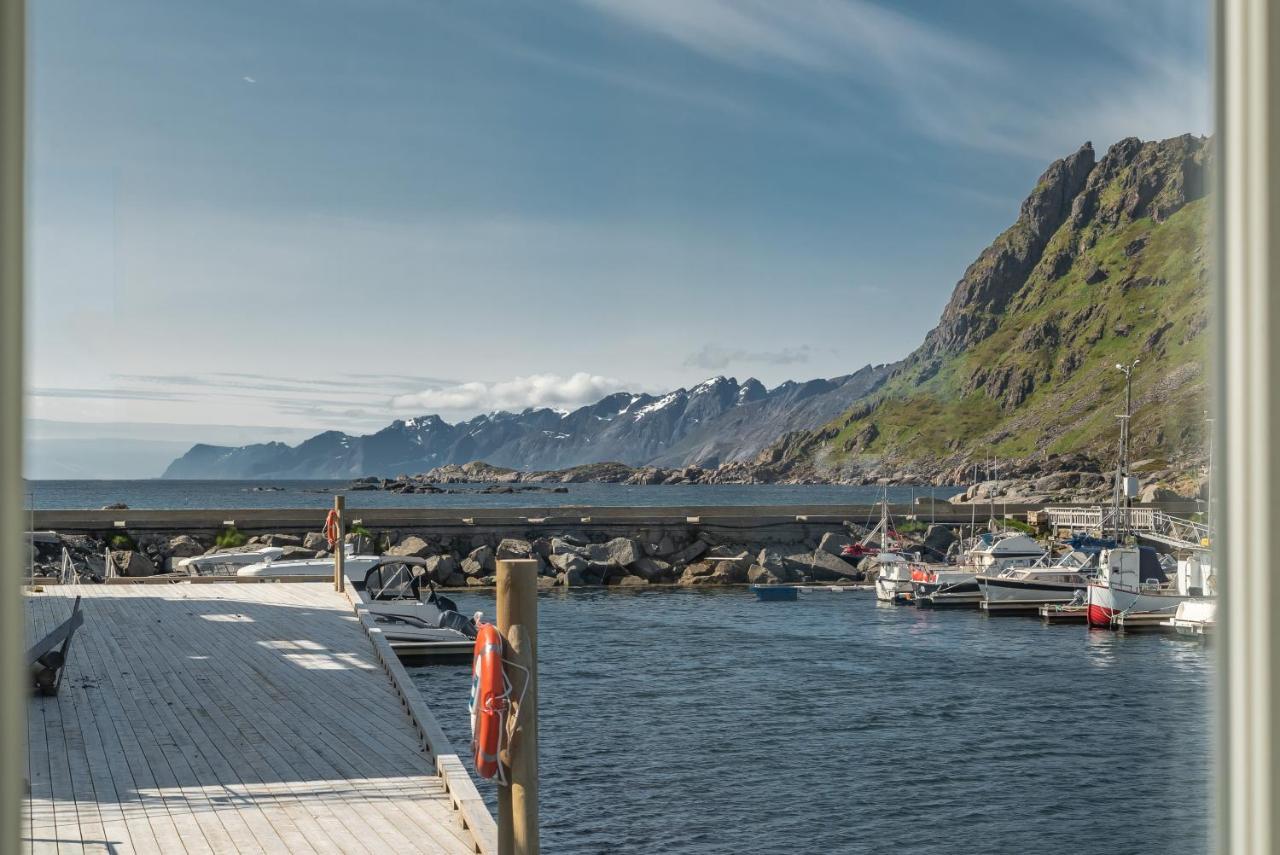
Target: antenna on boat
1122,469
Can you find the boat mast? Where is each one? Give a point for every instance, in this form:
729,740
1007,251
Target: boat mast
1122,467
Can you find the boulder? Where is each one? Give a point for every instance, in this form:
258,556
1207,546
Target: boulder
280,540
482,557
1157,493
938,540
567,546
663,548
758,575
456,580
651,569
296,553
712,573
620,552
184,546
772,561
512,547
132,564
828,568
545,582
834,541
691,552
568,562
441,568
632,582
413,547
571,578
315,540
474,581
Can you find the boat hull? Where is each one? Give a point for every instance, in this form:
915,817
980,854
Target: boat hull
1025,592
1107,603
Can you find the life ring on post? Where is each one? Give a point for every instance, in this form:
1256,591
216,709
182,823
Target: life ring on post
489,701
331,528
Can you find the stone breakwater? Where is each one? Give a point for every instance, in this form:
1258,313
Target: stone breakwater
657,557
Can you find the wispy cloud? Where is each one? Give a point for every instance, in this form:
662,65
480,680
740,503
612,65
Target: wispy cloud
535,390
714,358
948,87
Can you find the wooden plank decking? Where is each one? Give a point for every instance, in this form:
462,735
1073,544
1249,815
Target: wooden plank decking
230,718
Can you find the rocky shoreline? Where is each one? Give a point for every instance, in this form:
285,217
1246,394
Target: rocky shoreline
1046,479
469,561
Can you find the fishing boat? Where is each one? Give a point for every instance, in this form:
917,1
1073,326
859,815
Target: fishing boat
1130,581
1029,587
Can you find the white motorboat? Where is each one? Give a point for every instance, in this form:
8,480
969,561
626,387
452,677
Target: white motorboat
1029,587
226,563
270,568
990,554
893,577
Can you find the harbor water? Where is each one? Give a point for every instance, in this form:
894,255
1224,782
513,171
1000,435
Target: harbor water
707,722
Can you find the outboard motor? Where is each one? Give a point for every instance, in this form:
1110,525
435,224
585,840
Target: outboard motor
450,619
440,601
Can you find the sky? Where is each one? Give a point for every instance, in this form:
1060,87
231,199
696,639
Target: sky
256,221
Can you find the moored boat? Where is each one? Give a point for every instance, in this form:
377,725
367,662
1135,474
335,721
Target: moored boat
1130,580
1028,588
990,553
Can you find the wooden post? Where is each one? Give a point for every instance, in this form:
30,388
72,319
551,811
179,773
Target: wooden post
340,548
518,625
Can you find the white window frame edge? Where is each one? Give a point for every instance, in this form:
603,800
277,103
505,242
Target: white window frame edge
13,694
1247,325
1247,171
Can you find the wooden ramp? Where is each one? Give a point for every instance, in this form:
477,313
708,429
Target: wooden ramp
230,718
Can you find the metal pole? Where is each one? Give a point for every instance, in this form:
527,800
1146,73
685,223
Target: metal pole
13,700
518,625
340,548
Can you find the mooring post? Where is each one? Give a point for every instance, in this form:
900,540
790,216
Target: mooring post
339,548
518,625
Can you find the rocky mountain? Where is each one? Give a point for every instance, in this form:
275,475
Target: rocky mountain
1106,263
719,421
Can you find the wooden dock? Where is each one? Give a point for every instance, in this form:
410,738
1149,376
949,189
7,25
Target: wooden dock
237,718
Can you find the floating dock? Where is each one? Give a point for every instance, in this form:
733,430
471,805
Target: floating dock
1064,613
237,718
1010,608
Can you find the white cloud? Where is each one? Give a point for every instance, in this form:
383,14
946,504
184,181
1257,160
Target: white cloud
518,393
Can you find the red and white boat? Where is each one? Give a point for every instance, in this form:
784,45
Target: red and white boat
1130,580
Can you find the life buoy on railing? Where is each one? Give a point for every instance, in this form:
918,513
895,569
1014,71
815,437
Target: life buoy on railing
490,701
331,528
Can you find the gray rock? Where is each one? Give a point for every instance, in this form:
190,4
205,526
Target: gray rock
457,580
568,563
758,575
441,568
475,581
691,552
834,541
132,564
512,547
280,540
663,548
413,547
483,556
296,553
315,540
184,546
938,540
828,568
620,552
632,582
571,578
565,546
651,569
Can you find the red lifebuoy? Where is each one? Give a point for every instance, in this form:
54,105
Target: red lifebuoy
331,528
488,701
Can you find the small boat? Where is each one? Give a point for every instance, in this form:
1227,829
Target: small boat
1028,588
775,593
226,563
893,578
354,565
1130,581
990,553
390,591
1194,617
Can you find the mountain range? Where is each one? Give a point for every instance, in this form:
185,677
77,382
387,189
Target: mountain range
719,421
1105,264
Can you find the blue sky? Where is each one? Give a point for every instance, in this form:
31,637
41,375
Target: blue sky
293,216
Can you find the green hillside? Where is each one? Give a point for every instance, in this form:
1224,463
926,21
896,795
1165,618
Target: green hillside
1106,263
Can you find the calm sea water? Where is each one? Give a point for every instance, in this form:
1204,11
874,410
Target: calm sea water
156,493
705,722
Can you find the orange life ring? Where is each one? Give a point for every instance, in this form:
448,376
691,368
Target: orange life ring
489,698
331,528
